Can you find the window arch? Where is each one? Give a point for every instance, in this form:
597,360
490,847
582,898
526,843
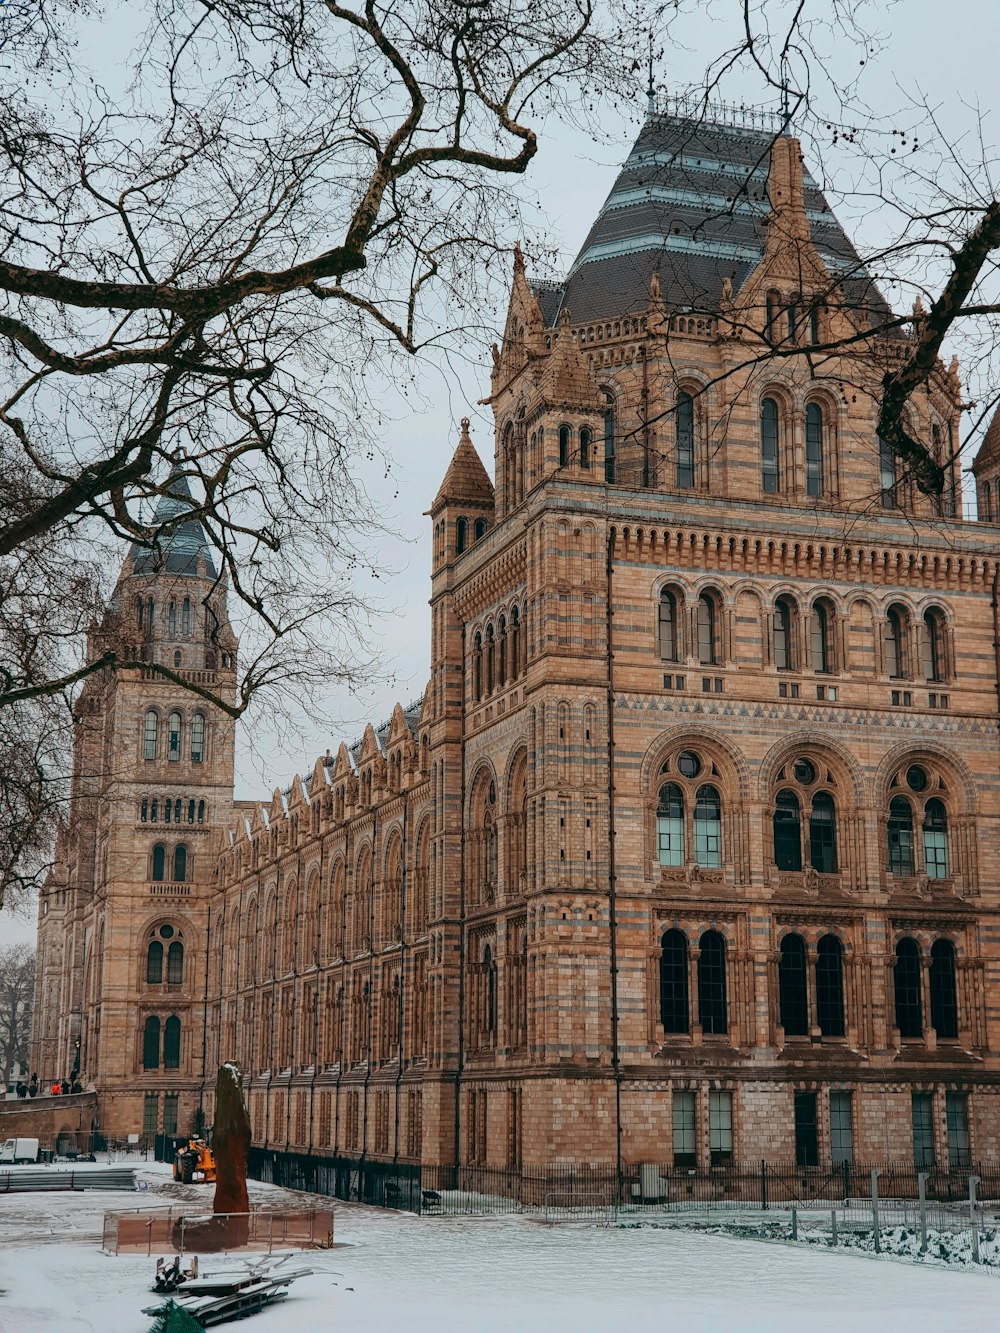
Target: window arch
770,470
712,983
772,308
477,666
186,616
670,825
987,514
684,430
895,642
609,439
515,643
172,619
787,827
785,619
821,620
668,627
932,644
154,963
935,838
151,1043
564,446
149,730
501,650
707,827
793,1000
172,1043
174,735
944,999
479,529
159,861
823,834
180,863
899,833
707,625
906,985
830,986
585,447
887,475
461,532
175,963
814,450
674,1014
197,738
491,659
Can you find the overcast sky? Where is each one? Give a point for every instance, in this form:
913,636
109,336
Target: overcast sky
946,54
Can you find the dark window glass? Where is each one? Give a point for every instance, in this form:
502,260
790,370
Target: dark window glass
674,982
803,771
477,667
772,304
787,832
154,963
461,530
585,447
841,1130
922,1112
151,1043
172,1043
814,449
784,655
712,982
186,616
770,477
175,963
792,999
806,1147
830,987
906,984
159,860
899,830
688,764
708,649
707,827
956,1112
479,529
916,778
935,840
180,863
944,1002
823,834
149,735
668,627
814,324
819,638
685,440
886,475
931,647
895,644
791,312
563,445
609,445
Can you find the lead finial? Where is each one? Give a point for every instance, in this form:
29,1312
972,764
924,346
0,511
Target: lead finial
650,90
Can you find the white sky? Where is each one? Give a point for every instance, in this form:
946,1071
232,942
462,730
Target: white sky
945,55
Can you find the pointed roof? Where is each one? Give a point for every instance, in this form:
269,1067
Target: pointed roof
691,204
466,481
988,454
183,548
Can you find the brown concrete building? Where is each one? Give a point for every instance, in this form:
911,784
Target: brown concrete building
689,852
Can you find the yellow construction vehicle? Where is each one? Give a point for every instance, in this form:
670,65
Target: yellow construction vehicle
194,1162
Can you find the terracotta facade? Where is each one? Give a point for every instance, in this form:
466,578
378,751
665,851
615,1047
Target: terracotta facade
689,851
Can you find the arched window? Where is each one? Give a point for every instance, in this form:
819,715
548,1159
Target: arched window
791,321
894,641
489,972
708,630
186,616
932,666
501,651
201,812
944,1001
906,984
886,475
823,834
668,626
150,608
461,526
787,831
899,830
707,827
685,440
154,963
830,987
609,440
772,306
770,472
814,449
584,447
712,983
792,995
190,811
151,1043
820,655
180,863
139,617
515,643
159,861
149,729
814,324
479,529
172,1043
175,963
987,514
935,832
784,634
674,982
172,619
477,667
491,660
174,736
670,825
564,434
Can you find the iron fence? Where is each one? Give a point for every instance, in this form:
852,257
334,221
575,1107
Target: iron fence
638,1187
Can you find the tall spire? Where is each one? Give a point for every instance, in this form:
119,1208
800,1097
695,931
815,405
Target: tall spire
650,89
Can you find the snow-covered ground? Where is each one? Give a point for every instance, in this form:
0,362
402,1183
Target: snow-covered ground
394,1271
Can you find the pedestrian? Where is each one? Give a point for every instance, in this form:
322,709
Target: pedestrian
76,1086
22,1090
33,1086
64,1087
55,1088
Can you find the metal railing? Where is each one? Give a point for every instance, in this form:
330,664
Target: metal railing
138,1231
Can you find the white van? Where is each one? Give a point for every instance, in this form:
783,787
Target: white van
19,1150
